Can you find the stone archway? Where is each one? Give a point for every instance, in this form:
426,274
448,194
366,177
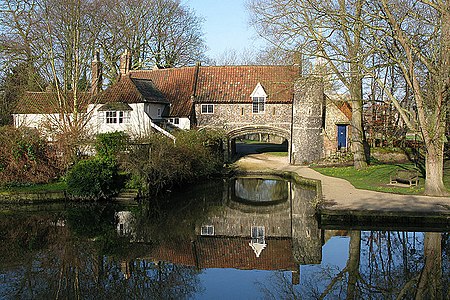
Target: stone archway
255,129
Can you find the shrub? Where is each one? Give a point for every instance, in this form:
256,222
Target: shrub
25,157
160,163
110,144
95,178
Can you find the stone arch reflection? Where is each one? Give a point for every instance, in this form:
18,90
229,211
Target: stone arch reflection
260,190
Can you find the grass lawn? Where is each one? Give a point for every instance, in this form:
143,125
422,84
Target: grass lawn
49,187
280,154
375,177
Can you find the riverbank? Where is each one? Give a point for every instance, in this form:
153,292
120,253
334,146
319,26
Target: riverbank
342,202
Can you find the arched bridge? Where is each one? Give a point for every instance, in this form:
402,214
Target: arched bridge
255,129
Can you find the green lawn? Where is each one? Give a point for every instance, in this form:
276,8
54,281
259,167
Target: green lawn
49,187
375,177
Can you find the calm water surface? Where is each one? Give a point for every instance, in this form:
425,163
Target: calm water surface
242,238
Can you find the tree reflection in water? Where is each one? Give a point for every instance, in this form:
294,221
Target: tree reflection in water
380,265
45,257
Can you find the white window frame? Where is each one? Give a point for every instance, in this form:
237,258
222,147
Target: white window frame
111,117
117,117
207,230
158,112
258,234
258,105
176,121
207,109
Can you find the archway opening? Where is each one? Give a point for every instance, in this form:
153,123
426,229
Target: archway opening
257,143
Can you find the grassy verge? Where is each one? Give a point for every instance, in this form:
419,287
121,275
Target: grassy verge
32,188
375,178
280,154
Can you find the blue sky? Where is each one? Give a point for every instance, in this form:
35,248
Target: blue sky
226,25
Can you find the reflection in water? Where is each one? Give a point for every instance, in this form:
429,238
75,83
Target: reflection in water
260,190
200,242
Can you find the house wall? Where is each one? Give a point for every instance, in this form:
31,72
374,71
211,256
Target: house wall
152,110
138,125
230,116
38,121
183,123
334,117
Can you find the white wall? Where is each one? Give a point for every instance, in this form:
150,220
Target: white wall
183,123
138,125
152,110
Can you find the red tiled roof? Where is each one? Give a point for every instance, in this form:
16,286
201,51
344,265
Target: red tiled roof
48,103
236,83
128,90
220,84
228,252
235,252
175,84
346,109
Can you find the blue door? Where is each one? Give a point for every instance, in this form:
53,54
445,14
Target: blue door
342,136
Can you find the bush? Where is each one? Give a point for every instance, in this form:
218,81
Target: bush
95,178
160,163
25,157
110,144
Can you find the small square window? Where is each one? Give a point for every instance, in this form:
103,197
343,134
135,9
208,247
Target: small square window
207,230
207,108
111,117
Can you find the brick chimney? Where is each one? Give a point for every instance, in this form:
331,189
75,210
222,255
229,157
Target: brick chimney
125,62
297,61
97,76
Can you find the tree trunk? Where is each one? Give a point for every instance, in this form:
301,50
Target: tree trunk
353,264
434,165
359,157
430,282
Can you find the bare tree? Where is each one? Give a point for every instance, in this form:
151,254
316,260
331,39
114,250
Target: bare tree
164,33
415,36
330,32
231,57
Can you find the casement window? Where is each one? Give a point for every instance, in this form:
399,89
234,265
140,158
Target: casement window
176,121
207,108
207,230
117,117
111,117
258,104
258,234
158,113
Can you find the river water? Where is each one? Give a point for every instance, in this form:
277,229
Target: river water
240,238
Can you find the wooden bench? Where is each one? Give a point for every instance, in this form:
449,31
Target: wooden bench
405,176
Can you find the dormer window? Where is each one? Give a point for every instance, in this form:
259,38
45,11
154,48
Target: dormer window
117,117
115,113
258,99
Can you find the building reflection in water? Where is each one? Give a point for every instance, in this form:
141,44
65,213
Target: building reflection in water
246,231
